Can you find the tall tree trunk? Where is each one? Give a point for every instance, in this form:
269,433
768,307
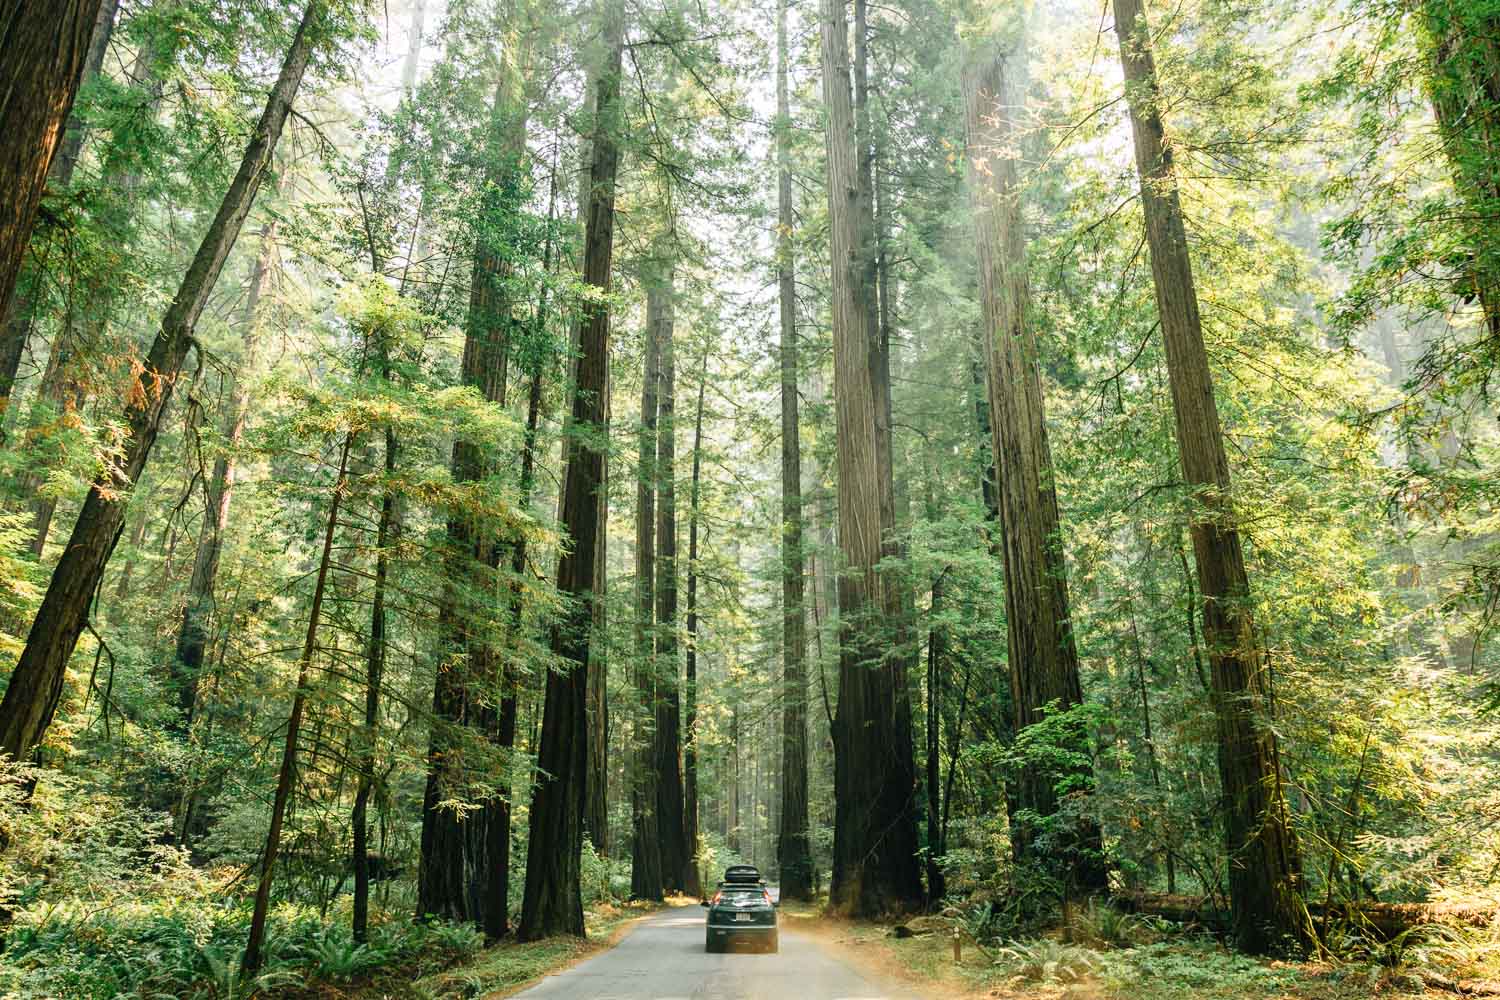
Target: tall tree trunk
287,776
192,636
596,807
374,671
43,49
1042,654
17,324
793,849
676,858
456,878
374,662
1265,870
647,877
553,903
875,840
690,683
37,681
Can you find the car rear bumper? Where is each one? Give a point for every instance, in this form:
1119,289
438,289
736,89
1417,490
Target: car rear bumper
725,930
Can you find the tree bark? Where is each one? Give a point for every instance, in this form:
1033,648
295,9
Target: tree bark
43,49
676,855
1265,870
37,681
690,683
793,849
875,842
647,877
374,671
18,315
460,848
1043,656
553,902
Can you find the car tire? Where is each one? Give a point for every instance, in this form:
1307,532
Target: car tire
711,946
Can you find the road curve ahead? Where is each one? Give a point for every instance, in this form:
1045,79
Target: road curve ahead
662,958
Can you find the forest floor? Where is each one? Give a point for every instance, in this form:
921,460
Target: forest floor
1171,966
1174,968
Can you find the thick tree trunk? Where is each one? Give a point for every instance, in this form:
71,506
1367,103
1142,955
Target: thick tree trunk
596,806
456,878
1265,870
43,49
287,776
690,682
192,636
875,841
793,849
676,857
18,315
1042,654
553,902
36,684
647,878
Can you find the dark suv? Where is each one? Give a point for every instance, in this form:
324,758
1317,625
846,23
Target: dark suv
741,910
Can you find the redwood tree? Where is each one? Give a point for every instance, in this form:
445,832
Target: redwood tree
1043,656
1265,869
647,878
676,853
793,849
875,839
554,903
16,316
43,48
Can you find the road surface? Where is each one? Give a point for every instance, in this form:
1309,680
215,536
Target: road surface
662,958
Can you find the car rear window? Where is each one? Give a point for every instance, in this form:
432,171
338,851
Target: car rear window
749,891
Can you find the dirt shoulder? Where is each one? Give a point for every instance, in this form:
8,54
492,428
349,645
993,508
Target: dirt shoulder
1171,968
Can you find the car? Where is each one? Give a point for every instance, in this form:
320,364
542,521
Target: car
741,910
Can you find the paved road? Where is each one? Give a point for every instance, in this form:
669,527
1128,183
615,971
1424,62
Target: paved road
662,958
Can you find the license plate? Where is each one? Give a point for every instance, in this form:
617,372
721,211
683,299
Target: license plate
743,918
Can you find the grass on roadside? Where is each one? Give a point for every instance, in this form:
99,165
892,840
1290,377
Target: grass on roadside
1133,954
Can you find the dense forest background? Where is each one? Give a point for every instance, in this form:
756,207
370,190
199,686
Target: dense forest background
1063,468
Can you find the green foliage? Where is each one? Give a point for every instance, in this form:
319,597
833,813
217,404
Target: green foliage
1044,960
189,948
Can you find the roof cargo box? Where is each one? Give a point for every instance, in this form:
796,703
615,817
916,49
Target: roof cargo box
742,875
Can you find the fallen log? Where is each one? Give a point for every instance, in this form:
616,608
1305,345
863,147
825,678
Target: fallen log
1390,919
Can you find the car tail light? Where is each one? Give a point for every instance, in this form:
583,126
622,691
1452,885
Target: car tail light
718,898
767,893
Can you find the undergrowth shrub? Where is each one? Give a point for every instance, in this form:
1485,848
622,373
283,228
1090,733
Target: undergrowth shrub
190,950
1044,960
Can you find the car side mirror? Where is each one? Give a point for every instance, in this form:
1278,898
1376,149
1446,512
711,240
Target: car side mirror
706,904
